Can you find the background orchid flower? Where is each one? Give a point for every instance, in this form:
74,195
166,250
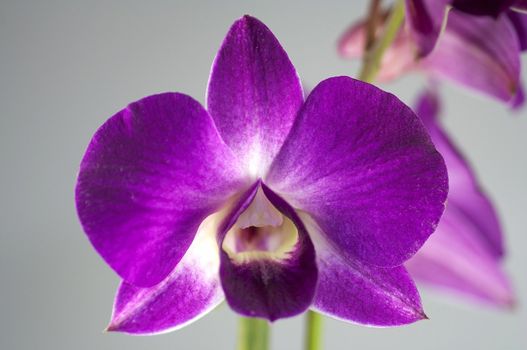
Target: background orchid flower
519,5
489,7
273,203
426,17
486,52
465,255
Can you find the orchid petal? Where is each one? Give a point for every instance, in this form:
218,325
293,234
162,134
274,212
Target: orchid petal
520,5
361,163
186,294
254,93
464,253
457,259
398,58
463,186
265,287
485,52
351,291
519,100
519,21
150,176
482,7
425,19
352,42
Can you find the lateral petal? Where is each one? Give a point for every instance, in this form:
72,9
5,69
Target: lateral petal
485,51
425,20
150,176
361,163
189,292
519,21
351,291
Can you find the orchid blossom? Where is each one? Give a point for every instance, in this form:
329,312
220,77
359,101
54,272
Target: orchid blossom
276,204
465,254
478,52
484,7
426,17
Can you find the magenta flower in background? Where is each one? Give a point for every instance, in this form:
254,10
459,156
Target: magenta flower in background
519,5
426,17
478,52
488,7
271,202
481,7
465,254
424,21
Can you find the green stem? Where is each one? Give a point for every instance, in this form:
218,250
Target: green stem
253,334
372,58
313,335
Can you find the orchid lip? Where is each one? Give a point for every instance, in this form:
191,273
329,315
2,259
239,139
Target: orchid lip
261,232
267,267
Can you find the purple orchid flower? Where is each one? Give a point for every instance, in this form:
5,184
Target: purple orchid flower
481,53
519,5
426,17
482,7
489,7
465,254
275,204
425,21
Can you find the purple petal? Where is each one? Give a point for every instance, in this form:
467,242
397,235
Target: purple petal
520,5
519,100
352,42
464,253
457,259
188,293
351,291
482,7
398,59
425,19
150,176
485,53
362,165
519,21
254,93
463,186
269,288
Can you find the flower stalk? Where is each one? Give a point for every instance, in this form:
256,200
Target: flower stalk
313,334
253,334
373,57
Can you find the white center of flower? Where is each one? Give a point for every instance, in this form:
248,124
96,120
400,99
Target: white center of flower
254,160
261,232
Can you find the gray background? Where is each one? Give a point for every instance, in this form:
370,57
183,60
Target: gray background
67,66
